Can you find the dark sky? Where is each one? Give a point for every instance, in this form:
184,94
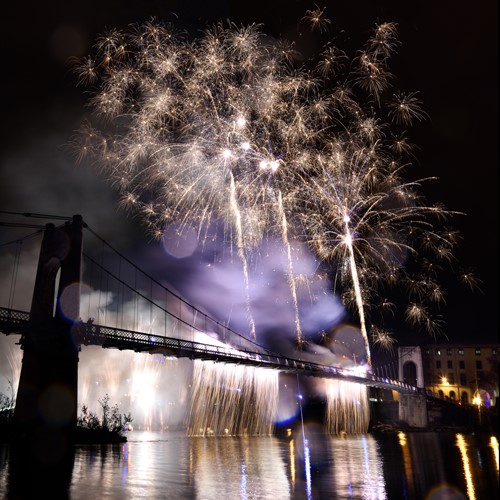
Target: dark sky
448,53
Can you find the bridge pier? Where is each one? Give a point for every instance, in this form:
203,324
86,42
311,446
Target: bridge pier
47,398
413,410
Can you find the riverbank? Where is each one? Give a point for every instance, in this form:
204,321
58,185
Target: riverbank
9,435
476,423
381,428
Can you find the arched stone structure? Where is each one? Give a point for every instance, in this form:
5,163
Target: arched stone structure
411,358
410,373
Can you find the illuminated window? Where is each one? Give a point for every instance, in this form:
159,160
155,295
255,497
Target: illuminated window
494,352
448,352
478,351
461,352
427,351
437,352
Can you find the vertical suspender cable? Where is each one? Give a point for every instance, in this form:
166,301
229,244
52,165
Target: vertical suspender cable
136,304
118,304
100,281
90,288
108,292
151,307
14,274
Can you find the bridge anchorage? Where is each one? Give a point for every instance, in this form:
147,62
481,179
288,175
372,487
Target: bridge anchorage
52,335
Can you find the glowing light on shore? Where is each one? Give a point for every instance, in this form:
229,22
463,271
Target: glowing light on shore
152,388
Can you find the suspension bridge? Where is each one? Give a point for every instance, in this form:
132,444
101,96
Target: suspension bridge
135,311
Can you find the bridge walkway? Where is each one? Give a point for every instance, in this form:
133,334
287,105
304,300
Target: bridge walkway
14,322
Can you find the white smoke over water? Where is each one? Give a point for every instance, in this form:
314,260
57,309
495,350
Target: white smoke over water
217,286
156,389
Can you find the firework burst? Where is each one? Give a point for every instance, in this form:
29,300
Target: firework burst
226,128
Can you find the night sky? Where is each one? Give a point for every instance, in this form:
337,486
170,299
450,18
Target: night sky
448,53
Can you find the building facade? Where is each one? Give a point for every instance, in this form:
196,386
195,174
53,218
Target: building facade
464,373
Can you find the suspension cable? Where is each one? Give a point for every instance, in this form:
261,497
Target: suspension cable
169,291
36,215
23,238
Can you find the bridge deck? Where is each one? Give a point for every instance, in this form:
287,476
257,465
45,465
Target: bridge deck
18,322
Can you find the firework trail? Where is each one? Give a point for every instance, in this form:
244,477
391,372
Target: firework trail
205,130
225,128
361,216
241,253
291,277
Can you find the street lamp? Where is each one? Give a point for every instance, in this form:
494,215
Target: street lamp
477,401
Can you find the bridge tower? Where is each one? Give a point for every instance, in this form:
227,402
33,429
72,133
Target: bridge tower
412,407
46,403
410,368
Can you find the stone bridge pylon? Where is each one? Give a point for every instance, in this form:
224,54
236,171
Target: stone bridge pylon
46,403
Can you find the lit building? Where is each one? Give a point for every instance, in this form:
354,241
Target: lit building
463,373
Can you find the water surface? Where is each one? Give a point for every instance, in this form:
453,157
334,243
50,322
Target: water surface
309,465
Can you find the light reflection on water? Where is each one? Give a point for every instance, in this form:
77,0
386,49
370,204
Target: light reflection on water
157,465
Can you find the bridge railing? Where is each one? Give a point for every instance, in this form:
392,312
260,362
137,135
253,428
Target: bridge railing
13,321
127,339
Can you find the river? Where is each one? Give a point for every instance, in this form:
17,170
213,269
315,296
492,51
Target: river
307,464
